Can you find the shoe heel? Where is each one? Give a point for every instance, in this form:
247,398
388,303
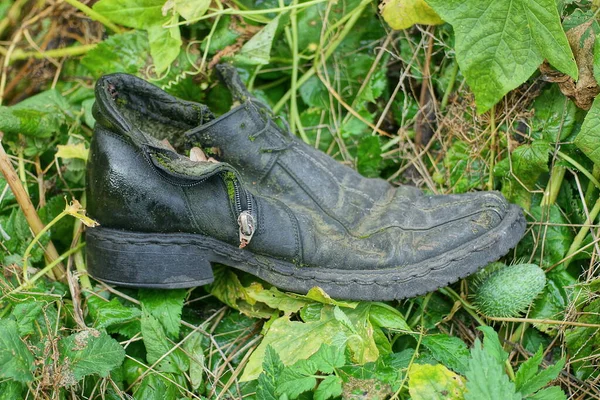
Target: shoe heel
153,260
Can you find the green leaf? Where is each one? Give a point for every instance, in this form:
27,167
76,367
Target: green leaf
127,52
549,36
554,300
156,387
551,393
491,344
528,370
191,9
434,382
328,358
554,117
494,46
165,44
597,58
293,341
15,357
589,136
39,116
449,350
402,14
275,299
26,313
486,379
11,390
227,287
193,348
138,14
267,381
329,387
539,380
464,168
257,50
583,343
297,379
110,313
90,352
157,345
166,306
369,156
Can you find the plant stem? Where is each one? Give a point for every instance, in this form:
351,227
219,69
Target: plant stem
36,239
580,168
33,219
96,16
490,184
450,86
352,19
468,307
63,52
556,178
46,270
233,11
13,14
591,189
582,234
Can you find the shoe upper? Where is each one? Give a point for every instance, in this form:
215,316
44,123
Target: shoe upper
306,207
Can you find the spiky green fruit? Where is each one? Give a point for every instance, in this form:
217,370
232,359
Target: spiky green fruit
508,291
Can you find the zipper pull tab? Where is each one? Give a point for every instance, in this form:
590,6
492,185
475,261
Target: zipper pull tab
247,226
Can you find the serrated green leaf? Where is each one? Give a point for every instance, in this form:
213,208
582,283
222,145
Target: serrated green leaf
267,381
434,382
328,358
193,348
448,350
293,340
589,136
127,52
494,46
329,387
528,370
549,36
90,352
402,14
138,14
492,345
486,379
166,306
165,45
551,393
542,378
157,387
257,50
109,313
15,358
296,379
26,313
157,345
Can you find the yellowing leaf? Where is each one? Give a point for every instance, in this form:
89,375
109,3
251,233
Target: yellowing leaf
402,14
434,382
191,9
72,151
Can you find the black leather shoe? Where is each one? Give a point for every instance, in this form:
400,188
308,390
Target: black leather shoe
291,215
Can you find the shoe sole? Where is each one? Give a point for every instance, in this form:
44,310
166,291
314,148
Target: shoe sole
180,260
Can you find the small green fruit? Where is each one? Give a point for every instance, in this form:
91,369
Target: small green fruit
508,291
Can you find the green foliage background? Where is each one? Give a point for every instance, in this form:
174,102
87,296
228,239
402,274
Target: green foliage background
494,95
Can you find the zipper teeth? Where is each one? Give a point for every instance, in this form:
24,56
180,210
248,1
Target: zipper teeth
163,176
238,198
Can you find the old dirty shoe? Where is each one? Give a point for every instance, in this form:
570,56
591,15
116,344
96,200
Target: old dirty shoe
166,219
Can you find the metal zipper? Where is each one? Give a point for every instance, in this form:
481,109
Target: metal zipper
245,220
